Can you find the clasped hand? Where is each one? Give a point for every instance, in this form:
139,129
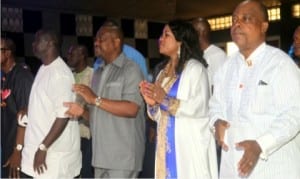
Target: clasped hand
152,93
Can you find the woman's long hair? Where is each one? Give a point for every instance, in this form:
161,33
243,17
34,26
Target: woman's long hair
185,33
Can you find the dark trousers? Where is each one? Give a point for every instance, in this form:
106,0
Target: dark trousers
219,152
23,175
87,171
149,162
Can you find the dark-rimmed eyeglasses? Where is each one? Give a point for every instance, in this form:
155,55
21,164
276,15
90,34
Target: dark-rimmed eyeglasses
4,49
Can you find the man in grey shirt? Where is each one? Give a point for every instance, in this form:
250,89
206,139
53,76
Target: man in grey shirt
117,108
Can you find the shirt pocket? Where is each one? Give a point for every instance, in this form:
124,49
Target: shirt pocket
262,102
114,90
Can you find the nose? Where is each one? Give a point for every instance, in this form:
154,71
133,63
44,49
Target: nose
95,43
160,39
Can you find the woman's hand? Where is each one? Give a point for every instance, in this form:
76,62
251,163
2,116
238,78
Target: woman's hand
152,93
146,93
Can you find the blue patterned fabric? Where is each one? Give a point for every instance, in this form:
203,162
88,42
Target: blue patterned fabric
171,150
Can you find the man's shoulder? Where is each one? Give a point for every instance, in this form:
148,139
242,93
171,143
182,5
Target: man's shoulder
22,70
215,49
89,69
277,55
22,67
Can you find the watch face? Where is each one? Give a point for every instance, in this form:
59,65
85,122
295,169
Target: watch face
42,147
19,147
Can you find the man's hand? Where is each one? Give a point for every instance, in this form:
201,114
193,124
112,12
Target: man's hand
220,127
85,92
74,109
250,157
14,163
39,163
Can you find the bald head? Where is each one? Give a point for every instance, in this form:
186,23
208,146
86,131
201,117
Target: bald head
261,9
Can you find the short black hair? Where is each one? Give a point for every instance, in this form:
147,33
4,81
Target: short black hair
115,28
50,35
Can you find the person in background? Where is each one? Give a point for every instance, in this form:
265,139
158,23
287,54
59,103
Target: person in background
77,60
52,142
117,119
132,54
16,82
214,56
255,107
296,46
178,102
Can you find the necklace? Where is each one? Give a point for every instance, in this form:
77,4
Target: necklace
167,77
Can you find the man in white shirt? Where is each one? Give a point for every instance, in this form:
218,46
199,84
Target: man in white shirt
255,108
52,142
214,56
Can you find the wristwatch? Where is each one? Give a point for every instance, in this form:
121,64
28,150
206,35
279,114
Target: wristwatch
42,147
98,101
19,147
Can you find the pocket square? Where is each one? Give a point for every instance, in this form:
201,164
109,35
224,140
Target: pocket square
261,82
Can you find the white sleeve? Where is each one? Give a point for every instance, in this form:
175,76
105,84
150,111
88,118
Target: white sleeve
287,105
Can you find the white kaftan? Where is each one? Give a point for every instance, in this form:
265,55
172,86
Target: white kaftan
261,101
194,143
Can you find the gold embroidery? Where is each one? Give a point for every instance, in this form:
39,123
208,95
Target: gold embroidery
173,106
162,145
161,149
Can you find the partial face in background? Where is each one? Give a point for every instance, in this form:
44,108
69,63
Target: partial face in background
105,43
199,27
4,52
248,26
167,43
296,42
75,57
39,45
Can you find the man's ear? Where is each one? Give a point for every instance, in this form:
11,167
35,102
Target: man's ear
117,42
265,26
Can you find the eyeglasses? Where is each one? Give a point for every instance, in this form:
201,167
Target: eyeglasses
3,49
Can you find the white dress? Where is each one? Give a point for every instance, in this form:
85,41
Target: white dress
194,143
